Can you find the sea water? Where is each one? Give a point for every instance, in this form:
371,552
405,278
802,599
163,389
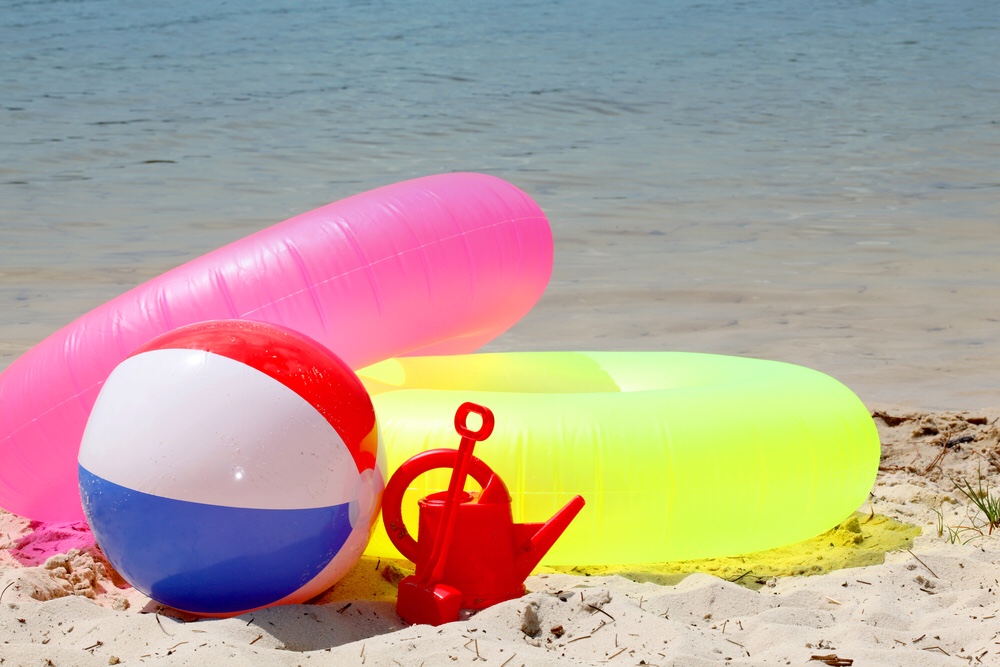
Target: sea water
814,182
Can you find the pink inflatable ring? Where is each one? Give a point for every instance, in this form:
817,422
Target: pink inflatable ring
436,265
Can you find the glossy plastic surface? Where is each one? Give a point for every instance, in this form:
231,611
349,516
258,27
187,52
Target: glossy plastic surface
436,265
678,455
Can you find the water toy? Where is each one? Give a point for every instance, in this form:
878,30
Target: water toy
679,455
232,465
471,554
436,265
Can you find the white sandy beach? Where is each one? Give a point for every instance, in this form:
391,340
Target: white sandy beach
932,601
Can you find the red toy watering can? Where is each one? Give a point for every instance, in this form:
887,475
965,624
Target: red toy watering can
471,554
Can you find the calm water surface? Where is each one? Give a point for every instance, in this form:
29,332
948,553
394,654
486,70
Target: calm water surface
816,182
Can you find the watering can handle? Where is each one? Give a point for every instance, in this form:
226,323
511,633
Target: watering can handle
462,416
392,499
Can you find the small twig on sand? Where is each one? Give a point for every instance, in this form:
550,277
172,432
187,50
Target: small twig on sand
924,564
937,460
5,589
159,623
601,610
623,649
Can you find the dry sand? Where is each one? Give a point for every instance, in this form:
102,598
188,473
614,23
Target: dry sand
911,579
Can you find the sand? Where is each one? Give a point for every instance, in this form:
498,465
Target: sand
912,578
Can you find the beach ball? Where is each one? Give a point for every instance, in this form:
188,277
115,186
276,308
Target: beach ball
232,465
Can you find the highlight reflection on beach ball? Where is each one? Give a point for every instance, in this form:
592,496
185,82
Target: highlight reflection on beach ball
232,465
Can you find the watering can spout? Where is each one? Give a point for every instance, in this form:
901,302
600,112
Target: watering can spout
536,539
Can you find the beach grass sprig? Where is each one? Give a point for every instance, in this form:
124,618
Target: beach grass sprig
956,534
983,499
983,512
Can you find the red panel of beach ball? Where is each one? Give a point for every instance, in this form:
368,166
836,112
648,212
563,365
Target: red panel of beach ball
232,465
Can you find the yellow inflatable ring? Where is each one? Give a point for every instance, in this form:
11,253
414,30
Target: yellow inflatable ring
678,455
